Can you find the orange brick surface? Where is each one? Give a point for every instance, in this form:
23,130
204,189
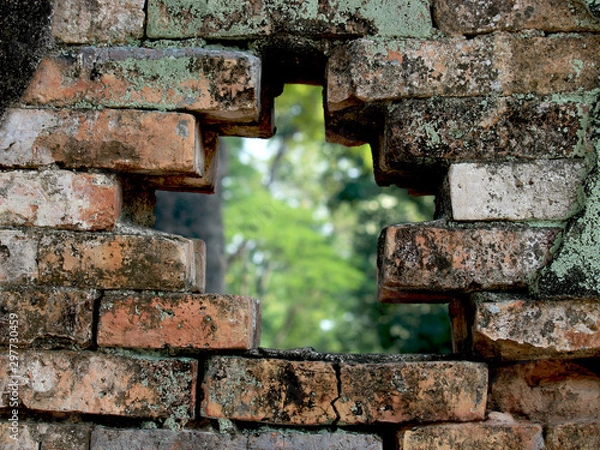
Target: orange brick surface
96,383
121,140
122,261
207,322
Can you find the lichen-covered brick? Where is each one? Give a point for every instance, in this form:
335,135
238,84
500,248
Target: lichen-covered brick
423,135
76,22
97,383
122,261
367,71
477,17
220,84
582,435
423,391
546,391
430,262
243,19
510,327
208,322
481,436
270,391
149,142
48,316
59,199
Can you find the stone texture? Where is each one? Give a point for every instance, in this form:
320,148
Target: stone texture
512,328
122,261
481,436
96,383
135,141
545,391
207,322
46,436
412,392
542,190
429,262
423,134
48,316
582,435
242,19
270,390
59,199
220,84
127,439
18,257
499,64
477,17
76,22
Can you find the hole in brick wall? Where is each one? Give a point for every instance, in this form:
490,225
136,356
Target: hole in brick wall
301,218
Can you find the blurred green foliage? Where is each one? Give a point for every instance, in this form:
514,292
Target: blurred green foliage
302,219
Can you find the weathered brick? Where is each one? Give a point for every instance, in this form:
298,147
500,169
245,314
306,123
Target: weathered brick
424,391
242,19
127,439
428,262
207,322
122,261
480,436
96,383
123,140
59,199
477,16
76,22
581,435
421,134
499,64
270,390
18,257
201,184
513,328
48,316
222,85
545,391
541,190
46,436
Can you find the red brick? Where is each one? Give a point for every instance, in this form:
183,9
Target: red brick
208,322
59,199
122,261
251,19
581,435
46,436
477,16
76,22
429,262
545,391
510,327
220,84
96,383
148,142
421,135
480,436
204,183
499,64
48,316
18,257
424,391
131,439
270,391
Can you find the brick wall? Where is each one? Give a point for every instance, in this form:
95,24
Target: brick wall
107,338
